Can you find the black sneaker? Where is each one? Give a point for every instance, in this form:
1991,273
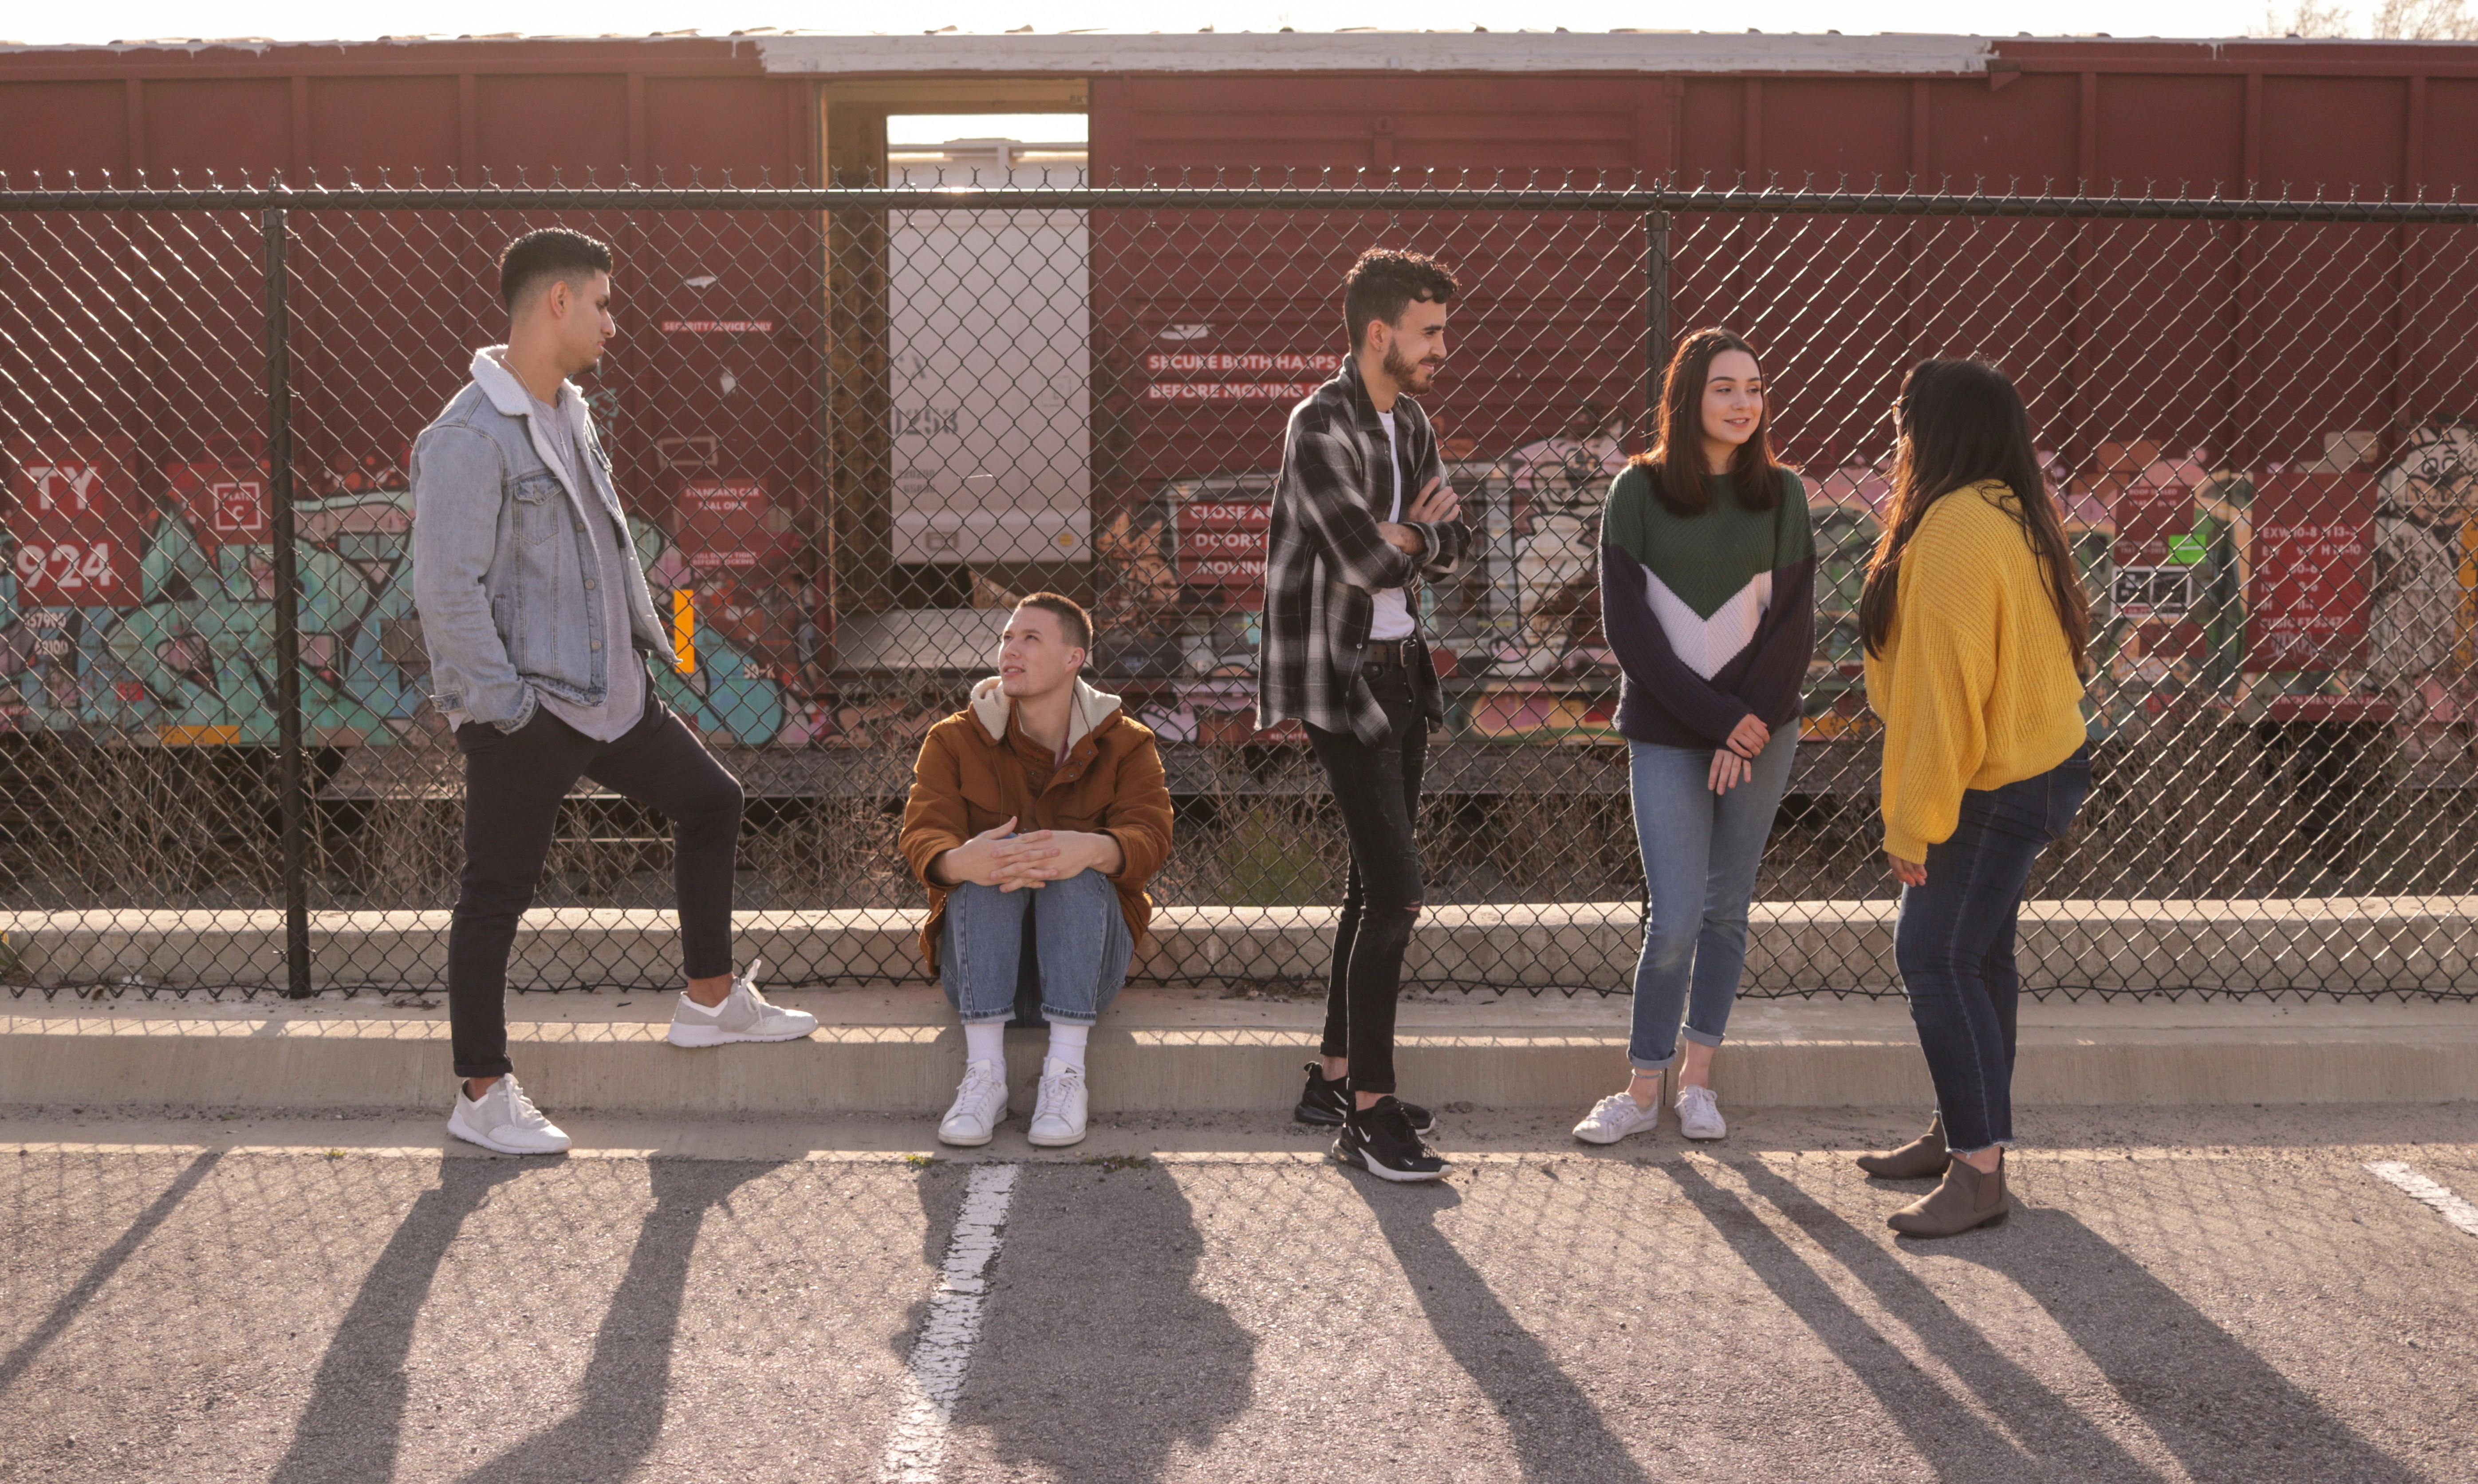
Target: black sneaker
1379,1139
1327,1103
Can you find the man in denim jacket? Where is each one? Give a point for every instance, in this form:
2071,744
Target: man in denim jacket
538,621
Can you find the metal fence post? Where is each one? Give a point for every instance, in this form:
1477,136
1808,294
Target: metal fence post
1656,363
1656,317
291,776
2212,690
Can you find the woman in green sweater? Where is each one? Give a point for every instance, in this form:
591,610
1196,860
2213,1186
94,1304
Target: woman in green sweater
1707,596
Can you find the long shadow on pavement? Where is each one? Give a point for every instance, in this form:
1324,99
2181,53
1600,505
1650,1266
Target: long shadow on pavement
1558,1432
2062,1443
353,1425
2224,1411
1098,1356
628,1382
99,1272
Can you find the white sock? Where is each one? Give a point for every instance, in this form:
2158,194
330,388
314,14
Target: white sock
985,1041
689,1001
1066,1043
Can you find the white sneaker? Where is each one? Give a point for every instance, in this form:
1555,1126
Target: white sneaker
745,1015
981,1105
504,1118
1058,1113
1699,1114
1615,1117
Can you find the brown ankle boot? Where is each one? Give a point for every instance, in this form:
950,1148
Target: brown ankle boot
1923,1158
1966,1199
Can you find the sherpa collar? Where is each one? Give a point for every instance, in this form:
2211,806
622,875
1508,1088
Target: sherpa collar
509,395
993,709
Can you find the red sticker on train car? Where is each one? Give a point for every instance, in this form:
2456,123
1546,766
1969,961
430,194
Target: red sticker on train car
2314,534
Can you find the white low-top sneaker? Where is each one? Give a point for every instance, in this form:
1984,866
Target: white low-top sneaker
745,1015
981,1106
1615,1117
504,1118
1058,1113
1699,1114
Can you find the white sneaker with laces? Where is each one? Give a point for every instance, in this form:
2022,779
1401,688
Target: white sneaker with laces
1699,1114
1058,1113
745,1015
981,1106
1615,1117
505,1120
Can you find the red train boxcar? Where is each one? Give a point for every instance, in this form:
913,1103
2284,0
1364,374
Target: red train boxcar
761,416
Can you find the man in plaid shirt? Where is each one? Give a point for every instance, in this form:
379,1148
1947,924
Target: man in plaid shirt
1343,654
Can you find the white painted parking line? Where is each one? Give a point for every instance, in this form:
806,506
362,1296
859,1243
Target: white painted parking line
944,1353
2411,1182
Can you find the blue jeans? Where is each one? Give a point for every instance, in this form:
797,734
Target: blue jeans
1955,944
1078,952
1701,851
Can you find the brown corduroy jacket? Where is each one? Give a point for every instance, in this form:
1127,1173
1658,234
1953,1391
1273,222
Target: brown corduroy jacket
978,769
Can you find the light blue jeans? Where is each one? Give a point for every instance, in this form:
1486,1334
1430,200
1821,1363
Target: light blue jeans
1701,851
1079,950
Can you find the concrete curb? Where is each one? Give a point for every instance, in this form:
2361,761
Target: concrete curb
1800,1056
2392,943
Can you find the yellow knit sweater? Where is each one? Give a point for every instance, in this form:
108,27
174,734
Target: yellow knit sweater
1976,684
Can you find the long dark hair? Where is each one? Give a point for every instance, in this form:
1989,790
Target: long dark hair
1962,424
1676,464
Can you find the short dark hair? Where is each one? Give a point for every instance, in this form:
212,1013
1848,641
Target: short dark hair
549,253
1384,282
1069,613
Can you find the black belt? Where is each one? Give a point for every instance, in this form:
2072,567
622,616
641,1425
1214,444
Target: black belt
1399,653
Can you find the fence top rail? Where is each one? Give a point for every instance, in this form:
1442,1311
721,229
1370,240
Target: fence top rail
1831,203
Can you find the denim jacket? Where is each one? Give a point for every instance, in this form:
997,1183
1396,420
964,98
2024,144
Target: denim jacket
501,556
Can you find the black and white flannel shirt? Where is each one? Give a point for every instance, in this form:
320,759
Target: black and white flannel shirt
1324,559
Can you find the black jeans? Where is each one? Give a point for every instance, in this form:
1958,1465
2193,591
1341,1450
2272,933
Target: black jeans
1377,790
1955,944
514,783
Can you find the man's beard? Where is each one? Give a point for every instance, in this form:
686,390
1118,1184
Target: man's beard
1409,375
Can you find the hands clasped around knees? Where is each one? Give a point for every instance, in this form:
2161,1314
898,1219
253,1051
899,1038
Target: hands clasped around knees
999,857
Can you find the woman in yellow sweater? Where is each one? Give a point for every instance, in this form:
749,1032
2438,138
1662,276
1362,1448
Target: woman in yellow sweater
1976,629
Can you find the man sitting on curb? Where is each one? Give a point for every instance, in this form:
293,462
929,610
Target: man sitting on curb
1063,901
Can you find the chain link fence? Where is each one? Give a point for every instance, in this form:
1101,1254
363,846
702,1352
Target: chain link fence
854,425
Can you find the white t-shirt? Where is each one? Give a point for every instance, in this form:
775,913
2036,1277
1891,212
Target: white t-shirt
1393,619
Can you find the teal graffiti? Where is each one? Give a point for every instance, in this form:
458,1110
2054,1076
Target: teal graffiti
197,653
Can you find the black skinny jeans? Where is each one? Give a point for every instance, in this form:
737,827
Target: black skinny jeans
514,783
1377,790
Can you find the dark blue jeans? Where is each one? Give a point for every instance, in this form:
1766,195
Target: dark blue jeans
1955,944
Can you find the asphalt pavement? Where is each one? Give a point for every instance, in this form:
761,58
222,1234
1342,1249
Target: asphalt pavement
2204,1294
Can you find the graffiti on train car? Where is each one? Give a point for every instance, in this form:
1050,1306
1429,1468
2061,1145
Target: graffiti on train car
2365,590
2347,579
156,617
